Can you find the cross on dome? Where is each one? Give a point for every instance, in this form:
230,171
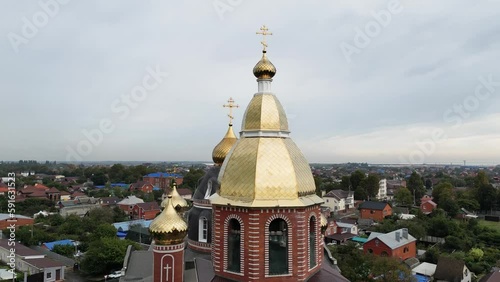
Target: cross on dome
264,32
230,104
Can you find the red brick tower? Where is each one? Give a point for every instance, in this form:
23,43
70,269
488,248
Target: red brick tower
266,215
168,230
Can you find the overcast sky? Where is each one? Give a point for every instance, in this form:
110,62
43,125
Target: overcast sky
355,89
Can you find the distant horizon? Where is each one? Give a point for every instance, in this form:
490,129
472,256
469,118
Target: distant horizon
311,163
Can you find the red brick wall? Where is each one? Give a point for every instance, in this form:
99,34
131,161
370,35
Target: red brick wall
397,253
254,235
377,215
171,258
426,207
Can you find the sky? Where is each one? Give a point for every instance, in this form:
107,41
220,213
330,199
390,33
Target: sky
360,81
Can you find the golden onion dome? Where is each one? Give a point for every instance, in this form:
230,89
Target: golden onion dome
265,113
177,200
323,222
264,69
168,228
220,151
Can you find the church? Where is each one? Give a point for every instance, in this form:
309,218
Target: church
255,214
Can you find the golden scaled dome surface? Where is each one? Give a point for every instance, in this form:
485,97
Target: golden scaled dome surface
177,200
222,149
265,113
168,227
264,69
263,170
324,220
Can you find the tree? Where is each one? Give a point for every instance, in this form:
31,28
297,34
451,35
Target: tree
191,178
99,178
360,194
403,197
444,190
105,255
371,185
428,184
356,178
345,183
64,250
389,269
416,186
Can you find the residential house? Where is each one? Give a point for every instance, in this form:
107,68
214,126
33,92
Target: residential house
128,203
32,262
382,190
80,206
339,200
109,201
344,232
397,244
146,211
374,210
6,219
427,206
143,186
163,179
4,189
65,196
50,245
451,270
491,277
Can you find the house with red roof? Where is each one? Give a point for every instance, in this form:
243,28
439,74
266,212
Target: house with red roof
397,244
147,210
143,186
428,206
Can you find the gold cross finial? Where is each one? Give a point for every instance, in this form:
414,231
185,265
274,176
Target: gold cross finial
264,32
230,104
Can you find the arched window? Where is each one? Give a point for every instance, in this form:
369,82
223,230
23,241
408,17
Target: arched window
278,247
203,229
384,254
312,242
234,246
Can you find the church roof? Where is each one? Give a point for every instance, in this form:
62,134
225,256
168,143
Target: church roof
265,168
220,151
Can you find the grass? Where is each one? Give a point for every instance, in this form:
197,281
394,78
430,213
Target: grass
490,224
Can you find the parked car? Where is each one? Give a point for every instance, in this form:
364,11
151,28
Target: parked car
115,274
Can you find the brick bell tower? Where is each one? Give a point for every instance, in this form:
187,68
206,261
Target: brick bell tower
168,230
266,215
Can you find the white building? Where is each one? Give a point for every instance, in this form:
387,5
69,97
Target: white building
339,200
382,190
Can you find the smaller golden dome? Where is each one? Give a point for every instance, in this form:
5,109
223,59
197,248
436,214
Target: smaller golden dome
264,69
220,151
323,222
168,228
177,200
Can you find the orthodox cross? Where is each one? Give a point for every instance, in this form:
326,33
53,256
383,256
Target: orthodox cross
230,104
264,32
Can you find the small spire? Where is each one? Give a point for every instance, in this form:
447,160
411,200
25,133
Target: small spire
168,228
222,149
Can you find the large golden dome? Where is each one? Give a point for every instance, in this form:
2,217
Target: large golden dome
220,151
168,227
264,69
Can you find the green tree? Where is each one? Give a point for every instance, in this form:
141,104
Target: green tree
99,178
416,186
389,269
371,185
64,250
345,183
444,190
360,194
105,255
403,197
356,178
191,178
